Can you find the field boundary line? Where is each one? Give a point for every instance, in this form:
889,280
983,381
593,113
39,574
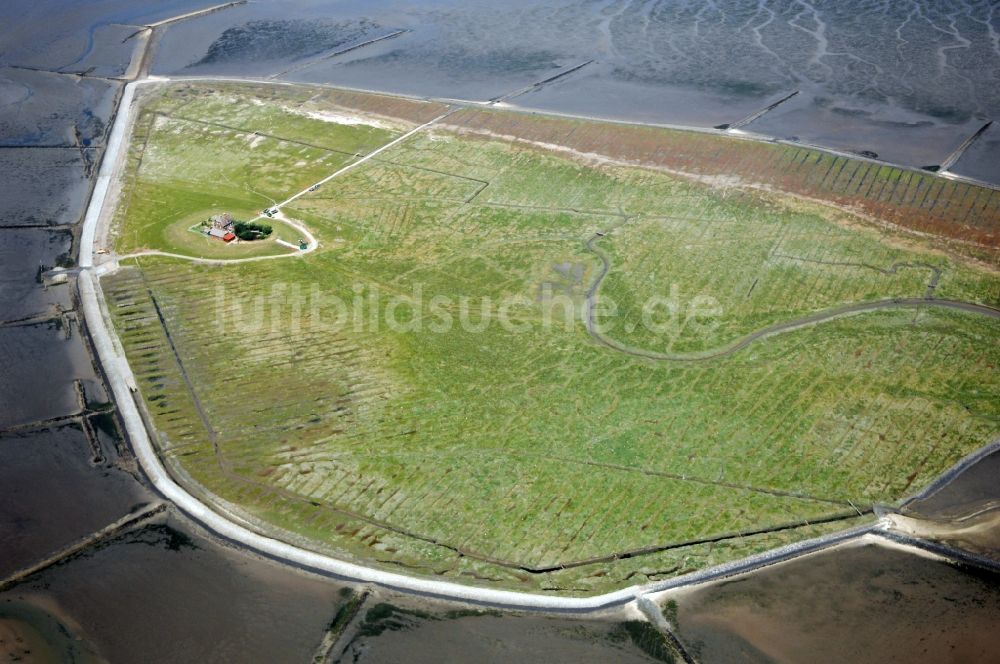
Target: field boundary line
121,380
774,329
370,155
740,135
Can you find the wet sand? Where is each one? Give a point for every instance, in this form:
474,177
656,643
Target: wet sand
907,82
901,136
42,187
41,108
54,494
980,160
31,634
166,591
400,629
22,298
597,92
856,603
56,34
163,593
46,361
962,512
974,489
170,592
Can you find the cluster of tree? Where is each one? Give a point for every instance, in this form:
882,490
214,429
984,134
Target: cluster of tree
248,230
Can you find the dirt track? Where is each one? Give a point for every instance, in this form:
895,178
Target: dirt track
770,330
121,382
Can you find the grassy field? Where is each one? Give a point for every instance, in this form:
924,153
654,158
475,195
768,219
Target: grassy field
962,216
359,399
195,154
187,237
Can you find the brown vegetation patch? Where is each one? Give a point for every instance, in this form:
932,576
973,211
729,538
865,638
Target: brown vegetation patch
916,201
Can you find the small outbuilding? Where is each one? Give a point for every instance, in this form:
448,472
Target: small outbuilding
222,234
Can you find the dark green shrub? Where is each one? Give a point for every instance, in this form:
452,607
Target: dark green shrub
248,230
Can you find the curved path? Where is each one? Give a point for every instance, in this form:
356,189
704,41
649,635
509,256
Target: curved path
122,382
770,330
312,244
115,145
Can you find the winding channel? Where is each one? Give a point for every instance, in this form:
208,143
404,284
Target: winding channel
122,382
590,319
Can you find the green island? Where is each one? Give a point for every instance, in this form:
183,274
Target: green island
548,364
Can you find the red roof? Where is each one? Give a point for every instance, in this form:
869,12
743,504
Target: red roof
228,237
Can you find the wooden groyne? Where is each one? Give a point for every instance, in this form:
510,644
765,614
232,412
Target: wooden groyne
126,522
757,114
961,149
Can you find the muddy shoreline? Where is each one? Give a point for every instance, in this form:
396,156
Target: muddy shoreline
209,591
